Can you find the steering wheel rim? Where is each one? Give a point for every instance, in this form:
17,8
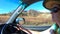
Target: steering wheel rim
8,30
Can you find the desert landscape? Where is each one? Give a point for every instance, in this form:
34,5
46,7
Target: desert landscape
31,18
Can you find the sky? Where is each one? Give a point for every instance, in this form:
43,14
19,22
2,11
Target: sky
7,6
38,6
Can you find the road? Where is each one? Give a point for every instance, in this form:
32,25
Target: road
37,28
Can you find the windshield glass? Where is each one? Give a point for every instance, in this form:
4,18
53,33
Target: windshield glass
35,14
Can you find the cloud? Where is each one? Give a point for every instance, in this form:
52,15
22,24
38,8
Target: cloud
44,10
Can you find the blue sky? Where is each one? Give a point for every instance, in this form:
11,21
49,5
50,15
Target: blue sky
7,6
37,6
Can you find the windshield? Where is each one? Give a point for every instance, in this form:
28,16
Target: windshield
33,15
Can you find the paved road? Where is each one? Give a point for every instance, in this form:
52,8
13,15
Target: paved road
37,28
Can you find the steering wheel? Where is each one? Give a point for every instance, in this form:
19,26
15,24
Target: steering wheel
11,29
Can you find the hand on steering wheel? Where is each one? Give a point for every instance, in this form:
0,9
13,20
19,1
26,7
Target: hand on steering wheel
19,27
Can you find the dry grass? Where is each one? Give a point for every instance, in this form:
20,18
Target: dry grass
42,19
3,18
30,20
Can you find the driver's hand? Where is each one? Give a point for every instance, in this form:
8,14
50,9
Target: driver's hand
19,27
